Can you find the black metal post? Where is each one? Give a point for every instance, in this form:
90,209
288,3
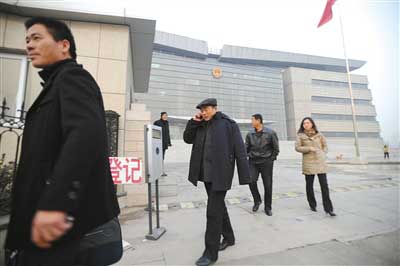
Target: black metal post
157,206
150,210
16,156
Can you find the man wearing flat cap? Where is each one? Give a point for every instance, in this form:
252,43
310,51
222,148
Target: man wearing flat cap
217,144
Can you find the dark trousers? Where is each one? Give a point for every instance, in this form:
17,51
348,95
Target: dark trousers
324,190
218,222
163,153
386,155
266,171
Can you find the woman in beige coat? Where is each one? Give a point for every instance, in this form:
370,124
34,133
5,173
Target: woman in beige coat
312,145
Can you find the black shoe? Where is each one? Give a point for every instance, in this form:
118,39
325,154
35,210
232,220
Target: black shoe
256,206
164,174
331,213
224,244
313,209
268,212
204,261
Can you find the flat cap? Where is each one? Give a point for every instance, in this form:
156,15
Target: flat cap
207,102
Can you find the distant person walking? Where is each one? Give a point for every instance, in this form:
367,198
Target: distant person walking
386,151
164,124
312,144
166,138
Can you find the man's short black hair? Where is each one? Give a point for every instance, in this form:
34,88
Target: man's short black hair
258,117
163,113
58,29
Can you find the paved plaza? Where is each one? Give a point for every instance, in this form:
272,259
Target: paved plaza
365,232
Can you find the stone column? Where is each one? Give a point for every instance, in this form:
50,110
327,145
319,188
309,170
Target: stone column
135,120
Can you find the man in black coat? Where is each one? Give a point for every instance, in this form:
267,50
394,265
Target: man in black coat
164,124
217,144
166,139
63,187
262,146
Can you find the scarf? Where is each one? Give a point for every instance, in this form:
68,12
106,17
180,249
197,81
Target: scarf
310,133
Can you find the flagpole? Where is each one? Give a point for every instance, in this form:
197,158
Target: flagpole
353,109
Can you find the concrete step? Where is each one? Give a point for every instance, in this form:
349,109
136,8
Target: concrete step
180,151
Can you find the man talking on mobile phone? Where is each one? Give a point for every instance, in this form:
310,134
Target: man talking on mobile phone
217,144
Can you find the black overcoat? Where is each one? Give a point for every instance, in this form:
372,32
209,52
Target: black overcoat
222,147
64,157
166,138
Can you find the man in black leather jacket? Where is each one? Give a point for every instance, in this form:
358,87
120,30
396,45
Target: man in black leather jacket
262,146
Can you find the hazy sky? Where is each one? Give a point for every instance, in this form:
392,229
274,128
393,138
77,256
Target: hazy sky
371,29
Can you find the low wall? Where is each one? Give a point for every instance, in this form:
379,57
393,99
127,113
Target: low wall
370,149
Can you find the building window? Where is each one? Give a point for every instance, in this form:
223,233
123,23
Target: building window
13,76
338,84
339,100
351,134
192,82
343,117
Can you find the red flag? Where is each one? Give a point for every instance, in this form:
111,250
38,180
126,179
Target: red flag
327,13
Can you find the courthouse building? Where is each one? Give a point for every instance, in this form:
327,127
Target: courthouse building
284,87
142,72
